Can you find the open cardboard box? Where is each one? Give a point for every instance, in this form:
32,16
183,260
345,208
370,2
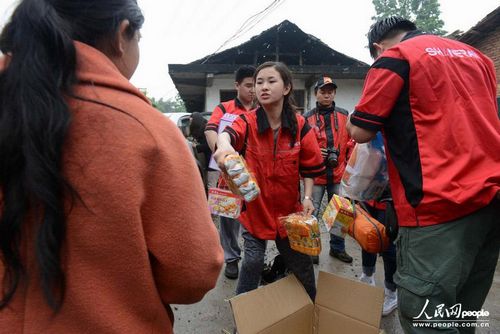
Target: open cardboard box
342,306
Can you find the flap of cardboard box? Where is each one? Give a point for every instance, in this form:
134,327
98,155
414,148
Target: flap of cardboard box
331,322
280,307
346,304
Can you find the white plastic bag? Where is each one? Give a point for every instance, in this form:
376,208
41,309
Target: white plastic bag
365,177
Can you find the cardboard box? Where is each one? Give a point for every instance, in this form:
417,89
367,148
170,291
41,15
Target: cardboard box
343,306
338,215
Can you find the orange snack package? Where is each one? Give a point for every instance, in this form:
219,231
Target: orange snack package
303,233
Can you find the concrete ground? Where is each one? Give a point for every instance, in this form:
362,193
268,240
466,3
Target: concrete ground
213,314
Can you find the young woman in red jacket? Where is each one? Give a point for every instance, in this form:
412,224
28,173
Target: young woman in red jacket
279,148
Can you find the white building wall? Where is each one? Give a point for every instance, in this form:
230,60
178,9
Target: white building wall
348,92
212,96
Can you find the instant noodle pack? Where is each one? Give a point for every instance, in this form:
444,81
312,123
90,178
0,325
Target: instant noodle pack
303,233
242,186
239,179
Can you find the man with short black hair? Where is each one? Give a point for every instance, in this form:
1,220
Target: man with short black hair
329,124
245,95
434,100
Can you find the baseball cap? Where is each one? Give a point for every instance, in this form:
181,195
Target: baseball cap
325,81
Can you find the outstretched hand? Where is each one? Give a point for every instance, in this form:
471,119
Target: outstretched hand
220,154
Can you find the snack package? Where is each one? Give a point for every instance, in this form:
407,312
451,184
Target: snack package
224,203
239,179
303,233
338,215
365,177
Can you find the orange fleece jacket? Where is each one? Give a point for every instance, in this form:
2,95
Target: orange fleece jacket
144,237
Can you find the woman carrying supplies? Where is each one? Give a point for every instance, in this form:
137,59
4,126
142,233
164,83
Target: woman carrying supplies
92,180
279,148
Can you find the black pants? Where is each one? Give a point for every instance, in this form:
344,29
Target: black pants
253,263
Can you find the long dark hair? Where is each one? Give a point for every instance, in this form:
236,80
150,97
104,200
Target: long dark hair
289,108
34,120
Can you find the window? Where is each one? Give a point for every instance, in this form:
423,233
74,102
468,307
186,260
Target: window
226,95
300,99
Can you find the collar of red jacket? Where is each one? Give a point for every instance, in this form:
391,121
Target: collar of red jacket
238,103
263,123
94,68
411,34
325,110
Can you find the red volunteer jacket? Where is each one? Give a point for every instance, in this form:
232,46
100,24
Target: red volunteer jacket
277,168
435,101
329,126
230,107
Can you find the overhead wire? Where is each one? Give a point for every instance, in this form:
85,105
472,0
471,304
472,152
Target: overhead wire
247,25
279,3
252,19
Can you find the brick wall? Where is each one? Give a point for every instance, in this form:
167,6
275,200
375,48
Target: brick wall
490,46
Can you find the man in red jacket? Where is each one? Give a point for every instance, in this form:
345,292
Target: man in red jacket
329,124
243,102
434,99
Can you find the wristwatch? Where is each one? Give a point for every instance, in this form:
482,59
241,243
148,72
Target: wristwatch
308,197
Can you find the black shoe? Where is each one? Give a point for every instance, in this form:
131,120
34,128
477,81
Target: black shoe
342,256
274,271
231,270
315,259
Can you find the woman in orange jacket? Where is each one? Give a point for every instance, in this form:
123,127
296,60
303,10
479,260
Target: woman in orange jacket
93,180
279,147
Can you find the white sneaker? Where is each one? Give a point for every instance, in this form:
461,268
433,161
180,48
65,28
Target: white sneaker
390,301
367,279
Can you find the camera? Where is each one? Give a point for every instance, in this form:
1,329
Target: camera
332,157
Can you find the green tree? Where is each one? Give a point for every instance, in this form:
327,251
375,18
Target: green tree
170,105
425,13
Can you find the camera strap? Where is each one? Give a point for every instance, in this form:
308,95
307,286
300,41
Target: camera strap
328,125
335,119
318,121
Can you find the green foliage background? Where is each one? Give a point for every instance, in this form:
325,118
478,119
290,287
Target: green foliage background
169,105
425,13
